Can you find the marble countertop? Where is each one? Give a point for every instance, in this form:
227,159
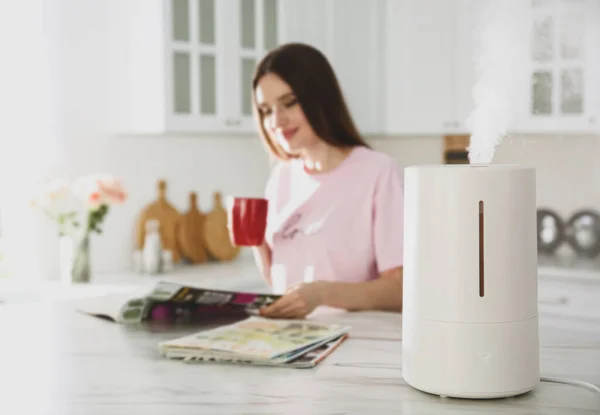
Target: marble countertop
54,360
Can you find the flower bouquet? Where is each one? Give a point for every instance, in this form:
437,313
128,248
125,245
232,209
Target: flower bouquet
79,209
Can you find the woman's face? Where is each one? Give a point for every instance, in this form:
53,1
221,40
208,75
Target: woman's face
282,115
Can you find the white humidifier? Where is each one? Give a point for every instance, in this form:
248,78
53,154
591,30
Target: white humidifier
470,314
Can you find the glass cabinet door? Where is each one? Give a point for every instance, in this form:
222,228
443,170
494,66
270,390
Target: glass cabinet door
193,54
207,57
180,57
258,34
560,74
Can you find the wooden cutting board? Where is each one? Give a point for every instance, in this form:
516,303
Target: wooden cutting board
167,216
190,233
216,233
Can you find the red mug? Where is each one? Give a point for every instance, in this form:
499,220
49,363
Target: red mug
247,217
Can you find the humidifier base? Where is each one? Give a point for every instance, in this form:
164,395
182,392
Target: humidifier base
471,360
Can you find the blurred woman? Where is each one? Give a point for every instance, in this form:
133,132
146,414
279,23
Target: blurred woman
335,224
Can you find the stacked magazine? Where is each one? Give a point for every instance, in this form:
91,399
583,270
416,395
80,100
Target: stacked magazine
260,341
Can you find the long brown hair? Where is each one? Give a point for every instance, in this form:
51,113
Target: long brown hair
312,79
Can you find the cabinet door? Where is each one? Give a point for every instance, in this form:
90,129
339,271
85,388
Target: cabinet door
464,68
193,51
350,34
251,31
306,21
562,67
420,75
356,45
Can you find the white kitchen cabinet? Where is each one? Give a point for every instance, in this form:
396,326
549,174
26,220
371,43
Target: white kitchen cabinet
257,34
429,76
562,84
357,39
432,50
306,21
185,66
569,297
406,67
350,33
465,29
403,68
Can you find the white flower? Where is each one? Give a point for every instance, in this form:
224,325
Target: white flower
55,191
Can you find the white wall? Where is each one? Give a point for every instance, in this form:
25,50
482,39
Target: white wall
567,166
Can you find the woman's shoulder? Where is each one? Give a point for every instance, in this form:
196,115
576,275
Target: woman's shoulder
376,161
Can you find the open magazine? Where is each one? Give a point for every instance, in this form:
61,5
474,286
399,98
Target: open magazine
260,341
169,301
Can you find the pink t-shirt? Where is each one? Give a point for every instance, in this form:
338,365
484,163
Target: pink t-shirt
343,225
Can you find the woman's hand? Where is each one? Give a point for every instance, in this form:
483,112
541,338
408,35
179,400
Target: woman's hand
298,302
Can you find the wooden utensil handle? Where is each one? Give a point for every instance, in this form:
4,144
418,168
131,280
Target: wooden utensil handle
162,189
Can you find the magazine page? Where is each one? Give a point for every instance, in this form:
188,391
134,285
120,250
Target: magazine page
172,302
176,302
211,354
317,355
184,294
118,308
304,358
259,337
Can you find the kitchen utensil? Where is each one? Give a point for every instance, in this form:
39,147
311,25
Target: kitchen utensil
190,233
152,252
470,319
550,231
168,218
583,233
216,232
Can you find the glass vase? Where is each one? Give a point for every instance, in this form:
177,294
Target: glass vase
75,259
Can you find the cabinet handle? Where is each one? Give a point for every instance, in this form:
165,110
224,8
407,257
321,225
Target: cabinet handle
451,124
555,300
232,122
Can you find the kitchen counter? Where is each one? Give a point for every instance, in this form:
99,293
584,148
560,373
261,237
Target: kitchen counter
242,274
57,361
569,291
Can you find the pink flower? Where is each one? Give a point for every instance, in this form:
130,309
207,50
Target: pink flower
112,191
98,190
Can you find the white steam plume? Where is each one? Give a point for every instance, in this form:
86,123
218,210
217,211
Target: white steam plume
500,53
